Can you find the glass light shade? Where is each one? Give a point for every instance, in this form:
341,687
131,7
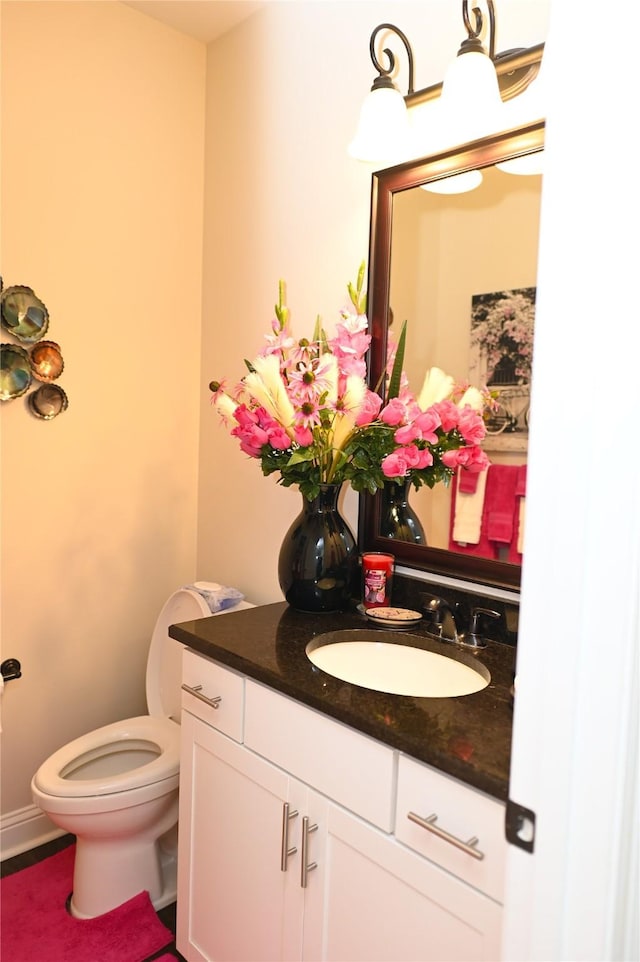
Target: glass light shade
456,184
470,103
382,136
526,165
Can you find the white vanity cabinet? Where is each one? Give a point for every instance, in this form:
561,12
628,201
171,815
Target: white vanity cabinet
293,843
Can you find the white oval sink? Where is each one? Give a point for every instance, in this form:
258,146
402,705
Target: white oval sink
394,667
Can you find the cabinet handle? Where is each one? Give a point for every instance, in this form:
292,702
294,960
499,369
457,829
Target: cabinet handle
306,867
429,823
285,851
196,691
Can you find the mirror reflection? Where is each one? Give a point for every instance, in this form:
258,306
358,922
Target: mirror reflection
461,270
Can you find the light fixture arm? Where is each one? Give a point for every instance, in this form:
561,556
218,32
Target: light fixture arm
384,73
473,41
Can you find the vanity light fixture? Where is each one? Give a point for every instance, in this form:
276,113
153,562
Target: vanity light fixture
384,132
470,103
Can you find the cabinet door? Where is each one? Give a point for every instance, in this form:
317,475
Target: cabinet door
381,902
235,903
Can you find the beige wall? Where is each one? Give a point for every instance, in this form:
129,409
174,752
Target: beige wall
102,186
102,204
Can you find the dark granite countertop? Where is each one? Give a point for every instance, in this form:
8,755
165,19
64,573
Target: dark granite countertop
468,737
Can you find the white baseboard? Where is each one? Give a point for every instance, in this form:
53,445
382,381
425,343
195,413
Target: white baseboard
24,829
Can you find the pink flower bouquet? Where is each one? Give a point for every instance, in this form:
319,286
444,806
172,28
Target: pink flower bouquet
304,410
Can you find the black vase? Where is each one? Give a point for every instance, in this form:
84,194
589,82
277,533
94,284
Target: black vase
398,520
318,561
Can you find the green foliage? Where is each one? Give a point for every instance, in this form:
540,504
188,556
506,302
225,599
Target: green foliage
396,372
358,299
366,450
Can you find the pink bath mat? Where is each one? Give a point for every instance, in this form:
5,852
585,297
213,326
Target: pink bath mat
36,927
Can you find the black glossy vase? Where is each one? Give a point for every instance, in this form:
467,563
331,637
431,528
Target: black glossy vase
398,520
318,562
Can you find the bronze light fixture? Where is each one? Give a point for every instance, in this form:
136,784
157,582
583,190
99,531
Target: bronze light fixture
385,135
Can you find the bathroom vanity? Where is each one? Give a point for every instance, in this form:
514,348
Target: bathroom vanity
307,804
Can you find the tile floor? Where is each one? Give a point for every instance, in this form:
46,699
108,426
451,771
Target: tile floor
10,865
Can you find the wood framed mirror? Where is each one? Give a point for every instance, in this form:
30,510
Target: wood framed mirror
437,260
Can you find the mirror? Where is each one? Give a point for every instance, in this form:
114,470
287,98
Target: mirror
449,264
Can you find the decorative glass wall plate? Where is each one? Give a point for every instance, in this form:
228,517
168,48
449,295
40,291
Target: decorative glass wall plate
24,314
46,361
15,371
48,401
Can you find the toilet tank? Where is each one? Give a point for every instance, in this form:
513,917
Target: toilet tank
164,662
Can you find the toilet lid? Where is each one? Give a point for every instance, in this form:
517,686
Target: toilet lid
164,663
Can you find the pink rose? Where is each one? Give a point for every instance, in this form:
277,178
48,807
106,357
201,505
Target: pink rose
449,414
451,459
303,436
427,423
425,459
397,464
394,412
370,408
394,465
471,459
278,438
471,426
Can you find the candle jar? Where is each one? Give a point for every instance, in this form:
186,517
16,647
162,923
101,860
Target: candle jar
377,579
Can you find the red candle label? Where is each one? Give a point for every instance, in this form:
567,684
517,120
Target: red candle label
377,576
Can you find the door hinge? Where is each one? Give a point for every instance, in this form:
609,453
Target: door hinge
520,826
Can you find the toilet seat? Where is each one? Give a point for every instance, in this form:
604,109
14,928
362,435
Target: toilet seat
159,735
140,738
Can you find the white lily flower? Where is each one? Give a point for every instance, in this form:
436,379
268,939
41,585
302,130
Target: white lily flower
473,397
225,406
265,385
437,386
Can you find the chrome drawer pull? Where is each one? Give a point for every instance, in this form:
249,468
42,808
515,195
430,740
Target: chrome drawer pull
429,823
285,851
305,867
196,691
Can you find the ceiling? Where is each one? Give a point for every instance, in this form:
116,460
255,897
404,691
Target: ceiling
203,19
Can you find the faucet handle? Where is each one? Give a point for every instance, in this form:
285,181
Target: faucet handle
434,604
473,638
475,616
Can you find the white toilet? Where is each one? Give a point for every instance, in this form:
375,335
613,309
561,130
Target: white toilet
116,788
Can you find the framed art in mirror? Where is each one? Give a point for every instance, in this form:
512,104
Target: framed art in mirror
461,269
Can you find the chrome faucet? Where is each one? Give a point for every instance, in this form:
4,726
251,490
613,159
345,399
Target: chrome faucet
457,635
444,616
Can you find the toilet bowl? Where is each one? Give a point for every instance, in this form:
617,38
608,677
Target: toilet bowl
116,788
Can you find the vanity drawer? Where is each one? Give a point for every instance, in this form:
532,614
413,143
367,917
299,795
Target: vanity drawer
212,681
462,813
354,770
